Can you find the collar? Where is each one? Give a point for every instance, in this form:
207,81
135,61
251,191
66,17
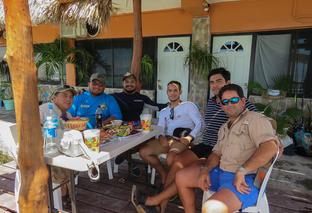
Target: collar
243,114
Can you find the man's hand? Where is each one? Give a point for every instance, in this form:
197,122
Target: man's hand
184,141
204,179
240,183
163,141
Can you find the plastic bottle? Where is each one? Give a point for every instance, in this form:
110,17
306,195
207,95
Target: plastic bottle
53,115
50,135
98,117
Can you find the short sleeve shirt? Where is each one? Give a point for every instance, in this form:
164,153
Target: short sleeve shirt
239,142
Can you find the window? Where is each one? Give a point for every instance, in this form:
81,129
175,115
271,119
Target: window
113,58
286,55
231,46
301,69
173,47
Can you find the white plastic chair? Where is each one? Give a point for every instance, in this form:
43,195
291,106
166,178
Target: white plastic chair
9,136
261,180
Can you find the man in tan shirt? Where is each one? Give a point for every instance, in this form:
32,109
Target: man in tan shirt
246,142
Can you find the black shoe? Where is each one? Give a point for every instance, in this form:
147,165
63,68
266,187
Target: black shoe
135,171
120,158
66,202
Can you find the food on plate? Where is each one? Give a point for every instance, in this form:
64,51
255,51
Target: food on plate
76,123
109,131
123,130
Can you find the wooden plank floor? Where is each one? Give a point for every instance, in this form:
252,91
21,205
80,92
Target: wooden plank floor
113,196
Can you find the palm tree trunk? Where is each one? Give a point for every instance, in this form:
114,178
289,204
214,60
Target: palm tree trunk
19,53
137,40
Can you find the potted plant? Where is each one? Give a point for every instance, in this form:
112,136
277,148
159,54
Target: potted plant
7,96
200,60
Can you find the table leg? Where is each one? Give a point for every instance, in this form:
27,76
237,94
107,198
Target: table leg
50,192
73,193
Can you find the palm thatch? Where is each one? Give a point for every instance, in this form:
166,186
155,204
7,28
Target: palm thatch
93,12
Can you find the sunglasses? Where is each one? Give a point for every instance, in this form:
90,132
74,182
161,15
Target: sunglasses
99,84
171,116
233,100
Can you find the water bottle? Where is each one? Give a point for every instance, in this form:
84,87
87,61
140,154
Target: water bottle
53,115
50,135
98,117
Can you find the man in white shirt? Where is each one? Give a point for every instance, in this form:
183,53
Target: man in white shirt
181,122
62,99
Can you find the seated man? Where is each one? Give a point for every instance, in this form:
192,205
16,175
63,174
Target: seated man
178,114
62,99
85,104
214,118
246,142
131,104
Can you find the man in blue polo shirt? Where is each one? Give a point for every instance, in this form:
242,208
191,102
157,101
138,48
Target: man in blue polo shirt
85,104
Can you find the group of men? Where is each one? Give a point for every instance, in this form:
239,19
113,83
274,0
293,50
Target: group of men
235,140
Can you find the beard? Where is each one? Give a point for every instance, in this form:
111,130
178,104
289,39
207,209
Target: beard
129,91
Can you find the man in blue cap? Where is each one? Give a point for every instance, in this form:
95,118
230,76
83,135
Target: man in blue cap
86,103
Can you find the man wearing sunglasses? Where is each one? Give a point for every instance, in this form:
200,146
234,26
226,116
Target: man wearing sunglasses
246,142
214,118
86,103
181,122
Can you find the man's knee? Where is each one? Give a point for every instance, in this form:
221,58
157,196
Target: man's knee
215,206
144,151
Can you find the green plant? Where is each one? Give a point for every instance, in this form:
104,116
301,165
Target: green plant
286,120
4,158
200,60
146,75
6,92
282,82
55,55
256,88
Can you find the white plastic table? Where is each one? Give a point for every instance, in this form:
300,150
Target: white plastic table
107,152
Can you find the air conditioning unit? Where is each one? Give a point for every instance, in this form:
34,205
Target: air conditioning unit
73,31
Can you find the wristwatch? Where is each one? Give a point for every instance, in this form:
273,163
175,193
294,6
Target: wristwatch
242,170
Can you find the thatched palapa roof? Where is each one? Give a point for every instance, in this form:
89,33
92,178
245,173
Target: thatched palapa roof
93,12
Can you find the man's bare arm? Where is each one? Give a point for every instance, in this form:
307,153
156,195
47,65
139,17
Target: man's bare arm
212,161
263,155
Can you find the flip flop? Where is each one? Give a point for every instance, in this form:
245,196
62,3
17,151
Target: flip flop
138,200
134,201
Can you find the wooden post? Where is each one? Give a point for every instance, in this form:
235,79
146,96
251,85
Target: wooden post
137,40
19,53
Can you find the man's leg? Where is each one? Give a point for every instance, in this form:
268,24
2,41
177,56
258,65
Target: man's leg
149,153
227,197
183,159
186,181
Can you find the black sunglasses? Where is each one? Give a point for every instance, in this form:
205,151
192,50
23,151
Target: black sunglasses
233,100
171,114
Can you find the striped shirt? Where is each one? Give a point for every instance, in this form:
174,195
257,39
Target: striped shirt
215,117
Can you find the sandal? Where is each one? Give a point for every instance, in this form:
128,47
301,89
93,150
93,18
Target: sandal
138,200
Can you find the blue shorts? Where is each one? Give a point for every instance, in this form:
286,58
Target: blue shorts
224,180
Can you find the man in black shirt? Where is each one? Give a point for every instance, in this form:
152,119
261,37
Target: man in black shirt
131,104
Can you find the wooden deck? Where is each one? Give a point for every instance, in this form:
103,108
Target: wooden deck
113,196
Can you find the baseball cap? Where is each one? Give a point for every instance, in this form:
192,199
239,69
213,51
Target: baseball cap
63,88
98,76
128,75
